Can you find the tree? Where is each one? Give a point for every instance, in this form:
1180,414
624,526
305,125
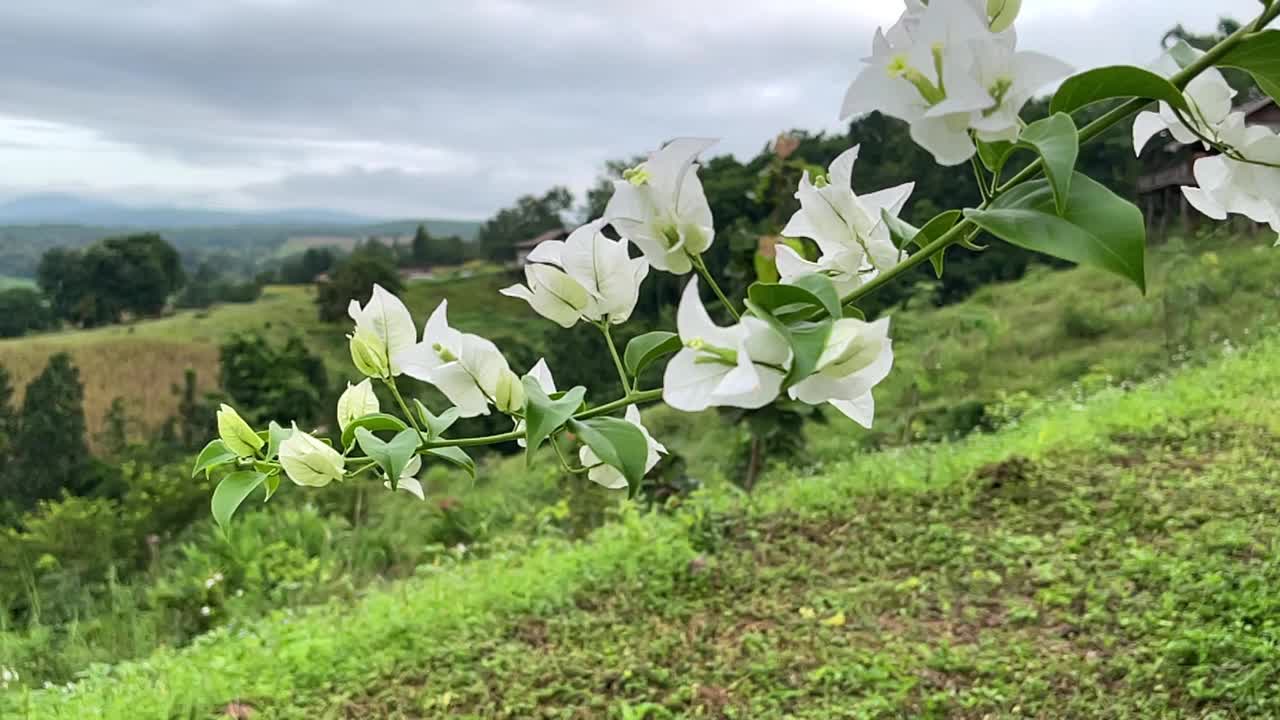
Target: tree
529,217
273,383
23,310
355,278
50,448
128,274
421,253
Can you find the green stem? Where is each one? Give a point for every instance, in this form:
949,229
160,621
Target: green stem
617,360
564,462
977,176
395,392
701,267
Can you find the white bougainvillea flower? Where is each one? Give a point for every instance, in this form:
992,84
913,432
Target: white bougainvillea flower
945,68
542,375
848,229
739,366
857,356
236,434
467,368
585,276
384,323
408,481
659,206
1231,186
309,461
356,402
1209,97
610,477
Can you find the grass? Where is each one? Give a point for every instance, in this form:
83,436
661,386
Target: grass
8,282
1113,558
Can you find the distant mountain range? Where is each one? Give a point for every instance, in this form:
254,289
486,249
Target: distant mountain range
64,209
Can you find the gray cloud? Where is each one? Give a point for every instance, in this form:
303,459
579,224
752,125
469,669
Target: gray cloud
453,108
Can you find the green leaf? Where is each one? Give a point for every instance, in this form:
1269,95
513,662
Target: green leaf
276,434
1099,227
1056,140
543,416
456,456
905,235
901,232
436,425
645,349
994,154
215,454
1115,81
392,456
272,484
231,492
796,298
1259,55
378,422
806,338
616,442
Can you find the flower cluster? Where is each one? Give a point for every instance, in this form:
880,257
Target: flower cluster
952,70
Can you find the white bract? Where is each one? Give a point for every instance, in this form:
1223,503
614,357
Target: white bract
944,71
384,334
408,481
739,366
659,206
586,276
1209,97
857,356
848,229
467,368
1231,186
608,476
356,402
309,461
541,374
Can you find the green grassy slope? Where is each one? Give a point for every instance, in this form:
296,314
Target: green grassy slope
1114,558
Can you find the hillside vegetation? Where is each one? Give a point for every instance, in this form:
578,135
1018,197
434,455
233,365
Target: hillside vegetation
1113,557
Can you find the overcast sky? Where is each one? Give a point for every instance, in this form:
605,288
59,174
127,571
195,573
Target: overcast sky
444,108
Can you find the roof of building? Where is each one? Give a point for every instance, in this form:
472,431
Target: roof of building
557,234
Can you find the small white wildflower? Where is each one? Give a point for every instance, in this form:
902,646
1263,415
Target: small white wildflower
205,611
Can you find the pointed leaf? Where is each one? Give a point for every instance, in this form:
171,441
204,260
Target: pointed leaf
436,425
276,434
543,416
1057,142
272,484
378,422
1099,228
798,298
994,154
456,456
906,234
806,338
231,492
215,454
1259,55
616,442
645,349
391,456
1115,81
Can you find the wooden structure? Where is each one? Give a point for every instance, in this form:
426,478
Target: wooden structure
1168,167
524,247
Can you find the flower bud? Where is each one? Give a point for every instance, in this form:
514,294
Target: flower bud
356,402
310,462
236,433
1002,13
369,355
508,394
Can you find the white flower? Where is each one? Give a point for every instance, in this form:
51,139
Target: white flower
1209,97
308,461
408,481
944,71
585,276
739,366
209,583
356,402
206,611
385,326
467,368
1227,185
236,434
660,207
609,476
848,229
857,356
542,375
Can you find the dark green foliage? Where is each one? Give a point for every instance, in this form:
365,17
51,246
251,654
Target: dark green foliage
23,310
8,429
529,217
208,286
51,452
305,267
269,382
133,274
355,278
